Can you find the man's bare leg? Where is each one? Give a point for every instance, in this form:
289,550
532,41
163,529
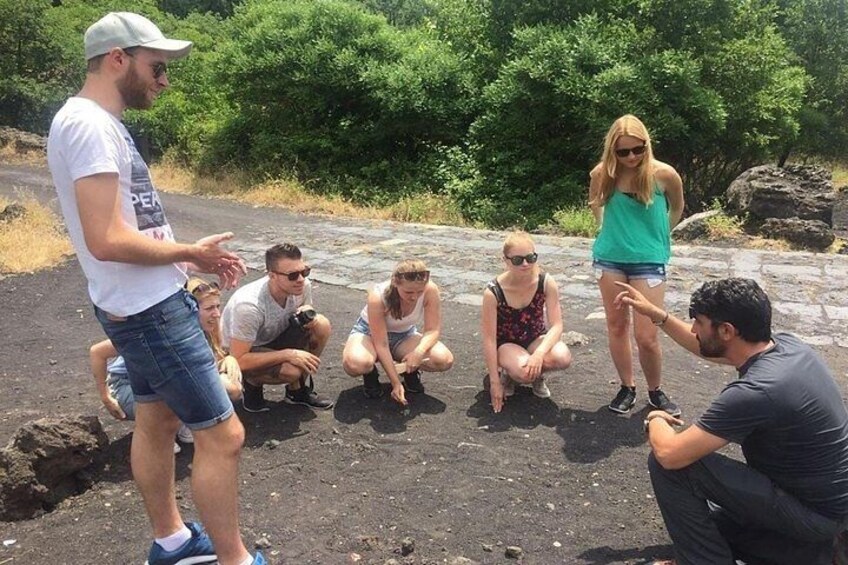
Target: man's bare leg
152,460
214,482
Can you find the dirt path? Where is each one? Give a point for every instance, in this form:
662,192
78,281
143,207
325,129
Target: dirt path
563,478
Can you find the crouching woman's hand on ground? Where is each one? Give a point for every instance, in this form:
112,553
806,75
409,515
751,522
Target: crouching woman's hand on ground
113,407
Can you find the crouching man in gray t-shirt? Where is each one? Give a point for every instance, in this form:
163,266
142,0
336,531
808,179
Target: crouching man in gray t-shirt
789,502
271,328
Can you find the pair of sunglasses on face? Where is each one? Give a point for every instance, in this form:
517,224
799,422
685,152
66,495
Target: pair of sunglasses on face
414,276
638,150
158,69
519,259
294,275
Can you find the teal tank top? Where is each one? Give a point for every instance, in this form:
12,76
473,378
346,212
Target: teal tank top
632,232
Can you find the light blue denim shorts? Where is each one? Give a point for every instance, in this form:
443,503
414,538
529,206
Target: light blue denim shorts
169,359
653,273
395,338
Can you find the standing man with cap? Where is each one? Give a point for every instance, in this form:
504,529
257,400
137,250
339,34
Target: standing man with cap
135,273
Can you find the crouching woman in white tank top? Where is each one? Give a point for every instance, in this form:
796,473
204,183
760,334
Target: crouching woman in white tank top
386,331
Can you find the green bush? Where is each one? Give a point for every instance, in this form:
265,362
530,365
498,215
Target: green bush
576,221
351,102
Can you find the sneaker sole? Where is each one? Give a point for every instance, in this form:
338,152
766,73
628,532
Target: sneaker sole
675,414
539,395
619,410
194,560
256,410
302,403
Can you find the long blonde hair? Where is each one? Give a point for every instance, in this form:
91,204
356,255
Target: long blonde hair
202,290
631,126
391,296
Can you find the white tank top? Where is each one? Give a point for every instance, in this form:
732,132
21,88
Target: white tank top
394,325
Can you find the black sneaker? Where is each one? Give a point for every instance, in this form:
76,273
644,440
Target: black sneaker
308,397
624,400
371,384
412,382
253,398
660,401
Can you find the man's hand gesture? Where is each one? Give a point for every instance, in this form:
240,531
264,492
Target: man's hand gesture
210,256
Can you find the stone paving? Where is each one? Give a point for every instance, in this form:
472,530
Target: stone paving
808,290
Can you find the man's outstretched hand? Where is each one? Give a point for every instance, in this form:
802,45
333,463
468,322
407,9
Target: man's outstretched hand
632,297
210,256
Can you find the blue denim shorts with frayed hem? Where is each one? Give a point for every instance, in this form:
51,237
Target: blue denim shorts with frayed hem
169,359
653,273
395,338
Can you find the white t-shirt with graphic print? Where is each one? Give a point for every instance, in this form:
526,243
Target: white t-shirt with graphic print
86,140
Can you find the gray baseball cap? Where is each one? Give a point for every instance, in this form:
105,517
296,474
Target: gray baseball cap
125,29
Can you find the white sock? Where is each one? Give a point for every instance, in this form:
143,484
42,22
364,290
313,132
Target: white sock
175,540
247,560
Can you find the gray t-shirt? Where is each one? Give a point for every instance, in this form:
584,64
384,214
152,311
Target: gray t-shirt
252,314
786,412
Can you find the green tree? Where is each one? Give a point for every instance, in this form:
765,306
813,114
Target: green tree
335,91
815,29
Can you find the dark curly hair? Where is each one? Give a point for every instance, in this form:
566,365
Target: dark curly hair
739,302
281,251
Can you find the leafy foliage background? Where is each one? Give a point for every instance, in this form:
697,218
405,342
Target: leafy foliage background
498,105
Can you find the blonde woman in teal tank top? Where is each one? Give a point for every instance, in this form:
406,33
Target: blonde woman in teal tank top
637,200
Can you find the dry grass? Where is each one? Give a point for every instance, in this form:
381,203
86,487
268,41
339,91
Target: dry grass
32,242
840,176
291,194
8,156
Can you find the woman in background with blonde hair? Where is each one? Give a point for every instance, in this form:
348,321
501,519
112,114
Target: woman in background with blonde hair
386,331
110,372
637,200
521,324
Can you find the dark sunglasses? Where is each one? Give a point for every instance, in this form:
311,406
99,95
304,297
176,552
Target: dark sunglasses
639,150
159,68
414,276
519,259
293,276
204,288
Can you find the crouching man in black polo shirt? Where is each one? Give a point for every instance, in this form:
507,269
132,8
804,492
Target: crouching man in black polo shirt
788,503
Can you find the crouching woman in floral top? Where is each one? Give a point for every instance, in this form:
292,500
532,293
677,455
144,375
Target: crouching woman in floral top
521,324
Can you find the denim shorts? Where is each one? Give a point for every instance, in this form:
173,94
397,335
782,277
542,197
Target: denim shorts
169,359
654,273
395,338
119,386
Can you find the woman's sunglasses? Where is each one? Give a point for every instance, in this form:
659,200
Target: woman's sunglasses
519,259
638,150
414,276
294,275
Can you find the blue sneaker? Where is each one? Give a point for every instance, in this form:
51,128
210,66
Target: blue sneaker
258,559
196,550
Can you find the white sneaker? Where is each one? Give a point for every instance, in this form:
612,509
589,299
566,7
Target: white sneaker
184,435
177,448
540,389
508,384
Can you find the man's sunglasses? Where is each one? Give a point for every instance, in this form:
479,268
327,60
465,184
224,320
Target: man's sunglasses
294,275
519,259
414,276
158,69
638,150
